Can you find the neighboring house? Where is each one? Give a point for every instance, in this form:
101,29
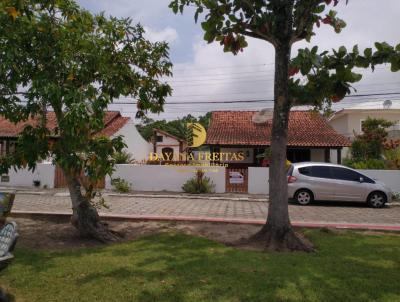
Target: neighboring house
167,145
348,121
115,124
310,138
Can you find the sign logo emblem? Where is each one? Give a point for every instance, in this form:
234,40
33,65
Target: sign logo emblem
196,135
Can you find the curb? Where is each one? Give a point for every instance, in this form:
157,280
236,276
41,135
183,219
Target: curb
187,197
301,224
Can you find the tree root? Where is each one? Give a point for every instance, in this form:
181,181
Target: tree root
89,225
282,239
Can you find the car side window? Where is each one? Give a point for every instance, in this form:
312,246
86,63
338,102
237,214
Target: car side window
320,171
345,174
367,179
305,171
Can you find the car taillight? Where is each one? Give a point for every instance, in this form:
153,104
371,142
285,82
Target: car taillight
291,179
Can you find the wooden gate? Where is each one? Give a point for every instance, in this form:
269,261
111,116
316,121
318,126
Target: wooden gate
236,180
61,182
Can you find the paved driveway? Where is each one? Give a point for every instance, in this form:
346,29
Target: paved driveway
229,209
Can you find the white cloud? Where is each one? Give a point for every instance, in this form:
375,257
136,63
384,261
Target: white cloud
215,75
210,74
167,34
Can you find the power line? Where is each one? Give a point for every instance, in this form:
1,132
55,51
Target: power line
189,68
197,77
259,100
226,67
233,93
262,80
249,101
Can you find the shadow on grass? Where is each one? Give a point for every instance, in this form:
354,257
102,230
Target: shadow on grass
212,272
176,267
6,296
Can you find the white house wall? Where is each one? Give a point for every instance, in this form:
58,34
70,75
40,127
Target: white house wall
318,155
136,144
341,125
44,172
168,142
350,122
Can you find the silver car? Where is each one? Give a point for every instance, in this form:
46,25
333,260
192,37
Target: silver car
321,181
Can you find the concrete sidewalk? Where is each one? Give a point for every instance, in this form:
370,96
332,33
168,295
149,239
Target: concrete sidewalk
350,215
147,194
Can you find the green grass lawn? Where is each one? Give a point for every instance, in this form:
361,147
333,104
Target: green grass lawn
176,267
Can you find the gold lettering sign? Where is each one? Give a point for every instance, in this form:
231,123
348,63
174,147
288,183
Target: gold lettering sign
197,135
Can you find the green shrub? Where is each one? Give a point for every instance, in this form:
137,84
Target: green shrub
367,164
199,184
396,196
121,185
123,157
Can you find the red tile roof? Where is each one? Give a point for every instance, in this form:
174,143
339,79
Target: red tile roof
113,122
306,129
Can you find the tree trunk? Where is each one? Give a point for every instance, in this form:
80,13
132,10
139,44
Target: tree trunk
278,233
85,217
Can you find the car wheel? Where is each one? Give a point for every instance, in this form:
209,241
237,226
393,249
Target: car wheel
376,199
304,197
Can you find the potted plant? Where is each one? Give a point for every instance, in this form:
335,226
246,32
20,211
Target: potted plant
265,157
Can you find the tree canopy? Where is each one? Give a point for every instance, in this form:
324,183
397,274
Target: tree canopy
311,77
322,76
56,56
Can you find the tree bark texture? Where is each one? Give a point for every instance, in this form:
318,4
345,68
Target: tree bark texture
85,217
278,233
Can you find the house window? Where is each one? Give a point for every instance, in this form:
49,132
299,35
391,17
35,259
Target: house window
168,153
159,139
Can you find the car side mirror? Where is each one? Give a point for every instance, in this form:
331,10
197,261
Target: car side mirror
361,179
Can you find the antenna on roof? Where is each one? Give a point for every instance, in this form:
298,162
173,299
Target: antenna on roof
263,116
387,104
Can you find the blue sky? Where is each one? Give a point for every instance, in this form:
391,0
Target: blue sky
202,72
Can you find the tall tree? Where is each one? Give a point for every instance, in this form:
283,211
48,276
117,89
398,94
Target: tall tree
57,56
324,77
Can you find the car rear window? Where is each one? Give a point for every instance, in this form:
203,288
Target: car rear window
290,170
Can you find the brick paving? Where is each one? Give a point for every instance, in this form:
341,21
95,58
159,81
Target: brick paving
226,209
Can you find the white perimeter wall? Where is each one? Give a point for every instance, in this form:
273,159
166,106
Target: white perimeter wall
160,178
258,180
389,177
170,178
24,178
